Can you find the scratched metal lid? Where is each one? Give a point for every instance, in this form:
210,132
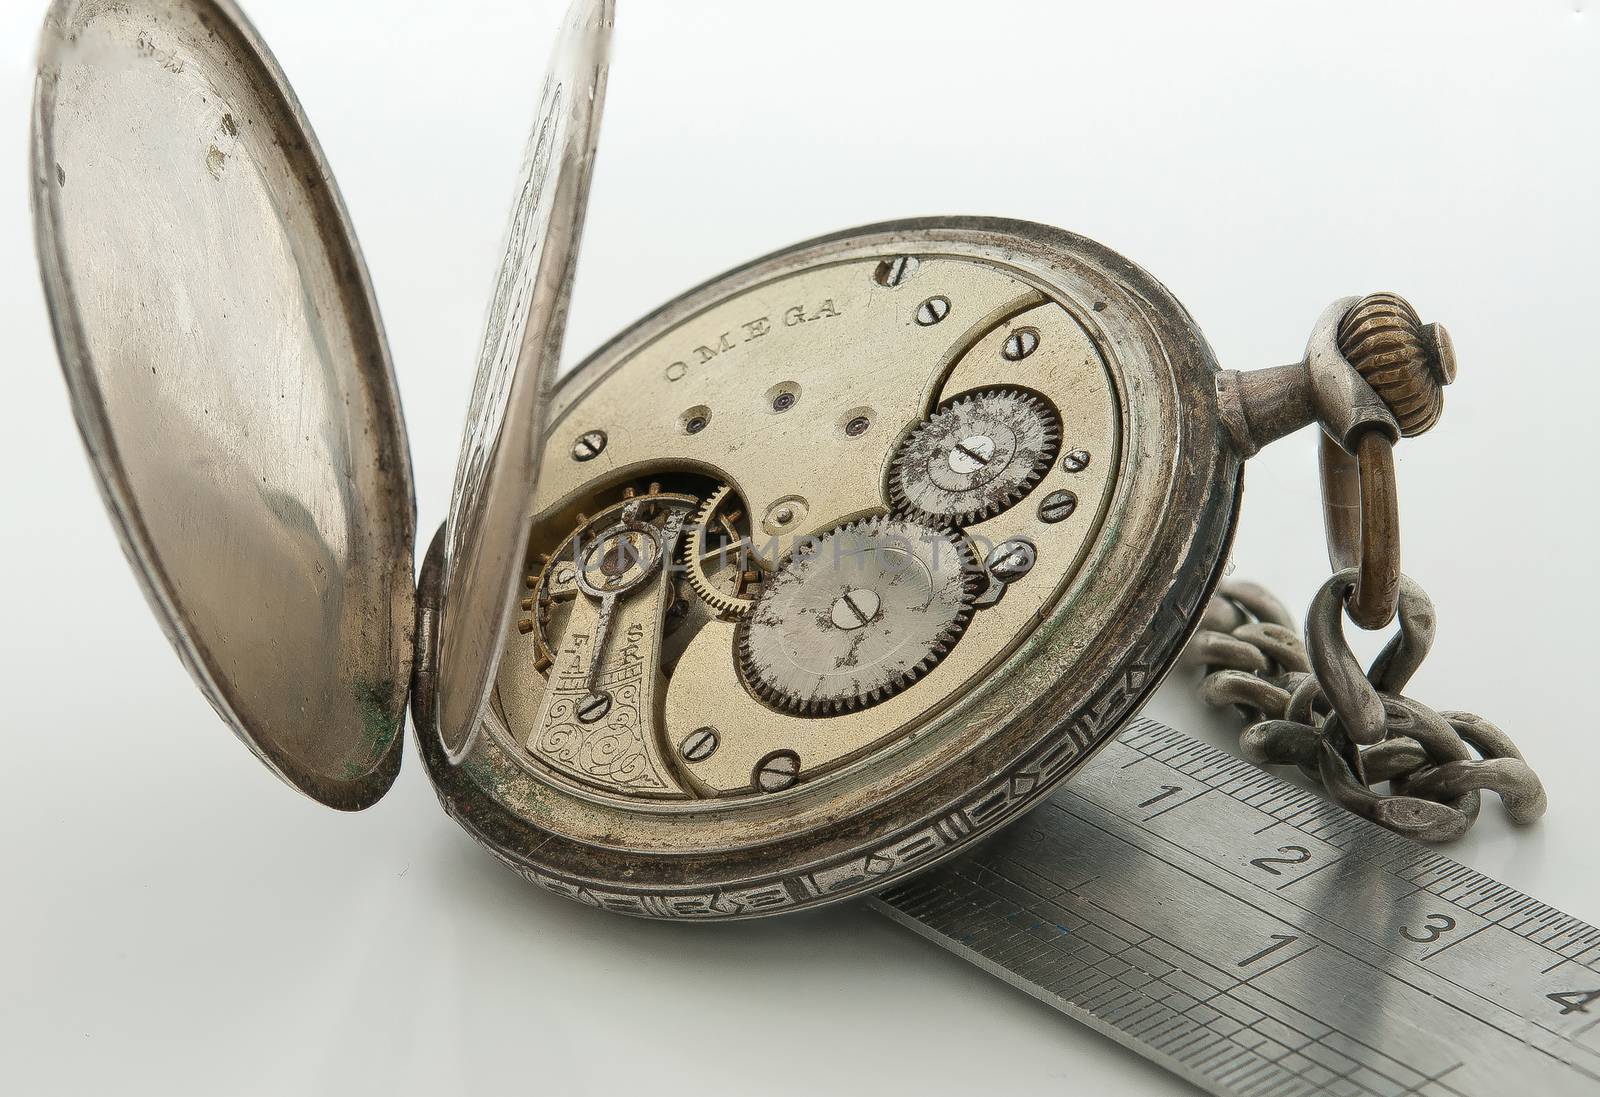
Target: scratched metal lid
230,377
490,513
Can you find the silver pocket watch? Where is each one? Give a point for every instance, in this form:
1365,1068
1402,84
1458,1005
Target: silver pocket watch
804,582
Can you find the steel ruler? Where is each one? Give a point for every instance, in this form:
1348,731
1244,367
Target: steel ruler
1257,940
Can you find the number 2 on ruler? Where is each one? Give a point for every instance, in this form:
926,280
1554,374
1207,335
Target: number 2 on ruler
1297,855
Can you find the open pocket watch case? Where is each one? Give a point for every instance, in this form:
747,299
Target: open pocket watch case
802,583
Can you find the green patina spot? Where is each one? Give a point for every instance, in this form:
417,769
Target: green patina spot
536,801
379,722
478,769
491,770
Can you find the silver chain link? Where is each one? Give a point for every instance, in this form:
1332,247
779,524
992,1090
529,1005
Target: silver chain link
1309,704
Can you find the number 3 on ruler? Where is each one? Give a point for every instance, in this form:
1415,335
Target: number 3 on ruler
1436,927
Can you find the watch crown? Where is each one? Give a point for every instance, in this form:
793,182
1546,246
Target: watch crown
1406,362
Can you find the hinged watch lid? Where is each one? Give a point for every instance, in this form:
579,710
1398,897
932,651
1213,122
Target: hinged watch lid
232,383
491,513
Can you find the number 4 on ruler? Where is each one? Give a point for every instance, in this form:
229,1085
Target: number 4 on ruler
1574,1001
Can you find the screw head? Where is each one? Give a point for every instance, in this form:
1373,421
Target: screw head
783,401
699,744
1076,461
1057,506
590,444
1011,560
931,311
856,427
777,771
1019,344
695,425
594,707
892,272
971,454
855,609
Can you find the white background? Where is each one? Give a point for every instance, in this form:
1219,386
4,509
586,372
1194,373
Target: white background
173,921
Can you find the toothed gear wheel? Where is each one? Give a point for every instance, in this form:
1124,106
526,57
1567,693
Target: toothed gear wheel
727,591
975,456
556,581
866,611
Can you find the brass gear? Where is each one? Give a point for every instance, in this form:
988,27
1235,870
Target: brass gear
727,591
867,611
556,581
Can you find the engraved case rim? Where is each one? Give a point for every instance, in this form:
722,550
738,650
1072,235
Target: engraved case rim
889,825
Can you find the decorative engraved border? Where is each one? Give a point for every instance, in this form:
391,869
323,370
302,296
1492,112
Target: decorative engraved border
1054,759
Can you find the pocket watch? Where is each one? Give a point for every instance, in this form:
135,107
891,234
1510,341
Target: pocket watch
797,586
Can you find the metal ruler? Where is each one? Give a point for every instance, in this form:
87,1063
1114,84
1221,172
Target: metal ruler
1257,940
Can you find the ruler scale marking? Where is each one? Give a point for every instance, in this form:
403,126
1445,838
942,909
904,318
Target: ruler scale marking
1314,954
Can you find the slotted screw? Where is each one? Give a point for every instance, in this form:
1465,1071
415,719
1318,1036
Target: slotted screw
699,744
589,445
594,707
892,272
777,771
933,310
1011,560
1020,344
1057,506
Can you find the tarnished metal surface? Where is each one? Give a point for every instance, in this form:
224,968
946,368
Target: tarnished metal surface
1407,363
977,455
863,617
1361,516
1351,728
756,381
231,381
1260,942
801,471
230,378
596,718
1372,373
487,532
